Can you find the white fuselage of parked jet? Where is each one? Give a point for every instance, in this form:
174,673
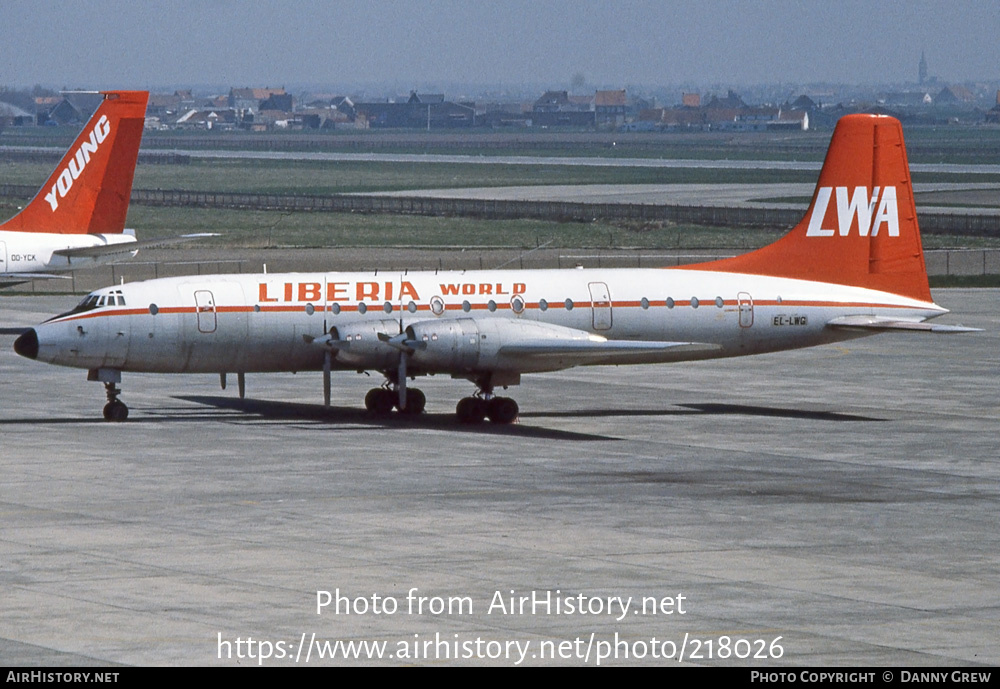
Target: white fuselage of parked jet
35,253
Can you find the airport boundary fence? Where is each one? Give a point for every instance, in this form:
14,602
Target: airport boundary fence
713,216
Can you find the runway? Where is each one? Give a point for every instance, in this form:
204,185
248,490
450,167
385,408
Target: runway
832,506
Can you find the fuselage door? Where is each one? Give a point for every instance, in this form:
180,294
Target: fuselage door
205,306
600,299
746,309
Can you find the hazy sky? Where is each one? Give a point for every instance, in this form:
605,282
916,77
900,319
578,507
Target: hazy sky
129,44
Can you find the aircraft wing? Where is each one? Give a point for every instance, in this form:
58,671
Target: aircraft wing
877,323
129,247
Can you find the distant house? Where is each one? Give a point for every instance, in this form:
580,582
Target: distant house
731,101
163,105
552,101
248,100
73,108
955,94
278,101
206,119
791,120
426,98
558,109
907,99
803,102
610,108
428,111
344,105
11,115
691,100
993,116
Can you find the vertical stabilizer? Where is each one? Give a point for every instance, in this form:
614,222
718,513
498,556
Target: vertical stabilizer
861,227
89,191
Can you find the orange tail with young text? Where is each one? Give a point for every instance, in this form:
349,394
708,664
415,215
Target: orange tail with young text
90,189
861,227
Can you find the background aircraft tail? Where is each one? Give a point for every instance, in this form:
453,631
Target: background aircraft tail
89,191
861,227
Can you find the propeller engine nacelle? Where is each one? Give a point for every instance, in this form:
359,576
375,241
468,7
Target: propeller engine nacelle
469,345
359,343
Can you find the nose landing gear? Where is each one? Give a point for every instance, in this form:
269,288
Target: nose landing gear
115,409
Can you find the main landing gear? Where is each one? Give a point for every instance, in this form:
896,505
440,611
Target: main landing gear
499,410
381,401
470,410
484,404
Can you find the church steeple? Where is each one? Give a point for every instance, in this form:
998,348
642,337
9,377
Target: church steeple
923,67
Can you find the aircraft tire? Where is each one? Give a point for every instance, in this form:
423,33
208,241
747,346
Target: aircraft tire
471,410
379,401
115,411
415,402
502,410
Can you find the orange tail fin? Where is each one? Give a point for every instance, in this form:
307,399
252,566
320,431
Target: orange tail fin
90,188
861,227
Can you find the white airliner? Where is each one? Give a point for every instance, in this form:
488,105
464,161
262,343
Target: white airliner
78,217
854,266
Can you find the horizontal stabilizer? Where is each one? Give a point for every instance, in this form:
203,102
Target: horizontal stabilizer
8,279
885,324
129,247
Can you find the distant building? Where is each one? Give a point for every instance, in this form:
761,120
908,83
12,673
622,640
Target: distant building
427,111
955,94
72,108
206,119
248,100
908,99
278,101
557,109
610,108
552,101
993,116
691,100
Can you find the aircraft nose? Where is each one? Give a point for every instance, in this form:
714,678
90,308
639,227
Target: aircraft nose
27,344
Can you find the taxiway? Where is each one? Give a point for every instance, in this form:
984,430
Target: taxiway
844,499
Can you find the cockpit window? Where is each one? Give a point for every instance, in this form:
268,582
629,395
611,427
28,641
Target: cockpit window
95,301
